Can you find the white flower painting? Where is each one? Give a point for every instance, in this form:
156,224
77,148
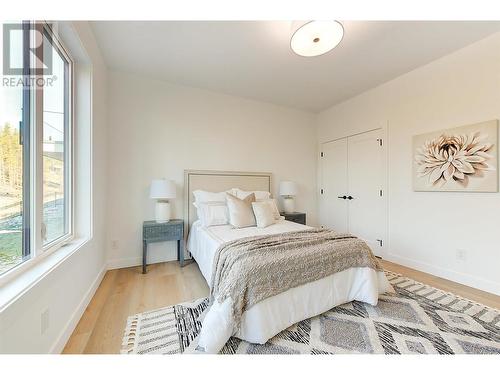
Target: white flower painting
458,159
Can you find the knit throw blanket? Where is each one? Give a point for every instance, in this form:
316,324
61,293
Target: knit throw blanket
251,269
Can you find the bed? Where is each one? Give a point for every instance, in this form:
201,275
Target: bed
272,315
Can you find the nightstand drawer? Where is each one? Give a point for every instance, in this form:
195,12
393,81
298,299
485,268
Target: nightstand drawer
295,217
164,231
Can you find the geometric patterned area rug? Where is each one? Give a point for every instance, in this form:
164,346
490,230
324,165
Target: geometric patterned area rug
417,319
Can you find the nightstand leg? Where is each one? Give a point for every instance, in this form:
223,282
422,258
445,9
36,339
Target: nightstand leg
180,245
144,255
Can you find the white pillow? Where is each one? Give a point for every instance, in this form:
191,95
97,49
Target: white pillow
259,195
208,196
240,211
212,213
263,214
274,207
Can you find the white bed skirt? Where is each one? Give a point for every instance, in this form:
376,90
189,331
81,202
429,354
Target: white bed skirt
271,316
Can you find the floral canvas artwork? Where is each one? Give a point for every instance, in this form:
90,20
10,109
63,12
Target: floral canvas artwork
459,159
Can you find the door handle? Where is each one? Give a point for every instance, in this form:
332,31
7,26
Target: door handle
342,197
350,197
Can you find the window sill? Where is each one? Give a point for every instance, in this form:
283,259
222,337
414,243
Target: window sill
13,289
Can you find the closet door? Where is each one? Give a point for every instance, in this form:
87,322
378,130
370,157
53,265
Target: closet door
334,210
367,214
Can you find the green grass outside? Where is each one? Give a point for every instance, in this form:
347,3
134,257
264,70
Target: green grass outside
11,239
10,249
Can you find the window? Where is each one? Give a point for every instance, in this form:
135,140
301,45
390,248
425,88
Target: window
56,144
14,164
35,143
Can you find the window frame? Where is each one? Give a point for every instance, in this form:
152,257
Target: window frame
68,150
34,250
27,152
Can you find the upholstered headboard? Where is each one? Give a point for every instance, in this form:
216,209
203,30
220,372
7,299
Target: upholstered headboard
216,181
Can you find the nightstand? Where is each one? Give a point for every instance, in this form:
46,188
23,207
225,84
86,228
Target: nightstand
296,217
172,230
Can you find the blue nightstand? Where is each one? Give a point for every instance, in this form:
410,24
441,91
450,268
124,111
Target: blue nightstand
172,230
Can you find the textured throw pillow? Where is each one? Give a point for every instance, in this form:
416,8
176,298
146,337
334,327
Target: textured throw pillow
240,211
263,214
259,195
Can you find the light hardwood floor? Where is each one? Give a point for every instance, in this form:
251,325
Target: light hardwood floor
127,291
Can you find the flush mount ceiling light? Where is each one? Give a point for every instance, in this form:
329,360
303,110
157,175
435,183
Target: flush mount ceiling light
316,38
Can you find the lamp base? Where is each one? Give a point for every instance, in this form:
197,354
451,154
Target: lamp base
162,211
289,205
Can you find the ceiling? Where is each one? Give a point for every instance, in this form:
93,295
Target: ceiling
252,59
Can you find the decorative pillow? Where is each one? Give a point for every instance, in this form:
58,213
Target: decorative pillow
274,207
240,211
263,214
259,195
212,213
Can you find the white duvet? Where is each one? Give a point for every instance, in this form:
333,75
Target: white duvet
269,317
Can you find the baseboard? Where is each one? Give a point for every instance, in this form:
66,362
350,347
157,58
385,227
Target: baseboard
60,343
124,263
135,261
458,277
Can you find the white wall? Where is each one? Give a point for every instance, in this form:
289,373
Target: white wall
67,289
426,229
159,129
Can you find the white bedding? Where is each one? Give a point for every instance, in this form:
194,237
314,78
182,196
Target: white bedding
203,242
269,317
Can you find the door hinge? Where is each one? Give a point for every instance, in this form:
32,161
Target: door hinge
322,154
321,191
380,242
379,140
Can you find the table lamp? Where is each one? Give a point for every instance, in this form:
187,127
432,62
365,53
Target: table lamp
288,190
162,190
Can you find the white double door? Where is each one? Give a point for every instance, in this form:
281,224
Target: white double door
352,195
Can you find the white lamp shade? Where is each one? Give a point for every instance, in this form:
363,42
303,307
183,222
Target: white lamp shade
162,189
288,188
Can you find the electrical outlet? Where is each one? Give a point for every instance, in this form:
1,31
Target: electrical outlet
44,321
461,255
115,244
